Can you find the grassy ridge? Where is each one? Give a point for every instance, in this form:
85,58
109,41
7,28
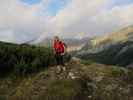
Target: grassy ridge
24,59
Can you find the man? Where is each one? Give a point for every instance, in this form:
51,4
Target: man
59,50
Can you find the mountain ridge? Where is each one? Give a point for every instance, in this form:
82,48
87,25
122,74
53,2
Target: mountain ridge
115,48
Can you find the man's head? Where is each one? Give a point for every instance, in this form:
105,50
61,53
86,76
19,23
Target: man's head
56,38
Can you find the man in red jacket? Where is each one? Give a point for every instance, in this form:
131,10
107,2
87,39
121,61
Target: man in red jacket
59,49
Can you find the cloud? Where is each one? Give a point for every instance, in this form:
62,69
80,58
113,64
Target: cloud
114,19
76,15
91,17
21,22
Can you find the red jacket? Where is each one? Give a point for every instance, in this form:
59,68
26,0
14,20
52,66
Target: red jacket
59,47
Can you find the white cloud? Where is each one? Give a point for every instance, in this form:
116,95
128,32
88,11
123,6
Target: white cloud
91,17
21,22
115,18
76,17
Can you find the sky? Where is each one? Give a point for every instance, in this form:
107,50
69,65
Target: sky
24,20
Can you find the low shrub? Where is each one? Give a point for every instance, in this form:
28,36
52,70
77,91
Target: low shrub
87,62
24,58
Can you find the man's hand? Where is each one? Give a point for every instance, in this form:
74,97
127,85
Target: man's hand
62,54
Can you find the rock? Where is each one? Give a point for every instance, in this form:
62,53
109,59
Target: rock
91,85
71,75
63,68
75,60
89,96
111,87
98,79
58,71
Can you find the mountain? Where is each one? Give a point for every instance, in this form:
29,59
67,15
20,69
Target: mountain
113,49
122,35
118,54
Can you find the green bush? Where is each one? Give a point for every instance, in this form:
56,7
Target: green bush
24,58
21,67
87,62
118,72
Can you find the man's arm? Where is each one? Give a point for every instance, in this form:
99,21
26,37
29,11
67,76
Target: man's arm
65,47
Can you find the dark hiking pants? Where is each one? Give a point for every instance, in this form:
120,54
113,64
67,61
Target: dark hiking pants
59,59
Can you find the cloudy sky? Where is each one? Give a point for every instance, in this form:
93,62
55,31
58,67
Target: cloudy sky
23,20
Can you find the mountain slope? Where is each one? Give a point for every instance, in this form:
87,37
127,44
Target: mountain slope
119,54
122,35
114,49
78,82
100,43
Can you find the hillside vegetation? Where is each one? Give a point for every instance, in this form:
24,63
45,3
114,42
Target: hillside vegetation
120,54
22,59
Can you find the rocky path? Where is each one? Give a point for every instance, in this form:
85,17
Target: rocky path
77,82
